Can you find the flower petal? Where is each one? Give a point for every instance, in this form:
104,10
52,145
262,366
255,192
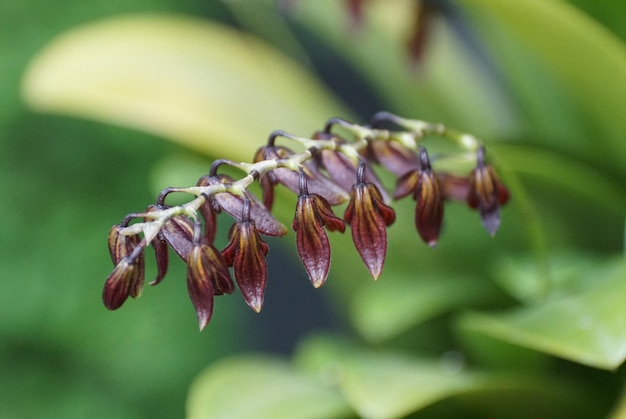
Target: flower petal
139,273
178,232
368,228
487,193
343,171
117,244
199,284
316,181
246,252
429,210
394,157
325,214
453,187
162,257
118,284
233,205
312,241
406,184
209,210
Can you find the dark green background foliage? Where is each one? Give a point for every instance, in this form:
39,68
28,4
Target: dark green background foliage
529,323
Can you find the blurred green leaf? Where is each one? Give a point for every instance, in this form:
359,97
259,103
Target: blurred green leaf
177,169
565,173
385,385
567,274
449,84
388,384
197,82
263,388
619,411
586,58
382,311
588,327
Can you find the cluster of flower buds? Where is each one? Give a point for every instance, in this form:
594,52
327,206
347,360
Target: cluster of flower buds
330,170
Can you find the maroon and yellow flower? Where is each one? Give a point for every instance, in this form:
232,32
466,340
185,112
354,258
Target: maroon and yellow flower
487,193
313,213
424,185
368,217
207,275
246,252
128,276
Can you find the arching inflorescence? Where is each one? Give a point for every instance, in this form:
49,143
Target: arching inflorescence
330,170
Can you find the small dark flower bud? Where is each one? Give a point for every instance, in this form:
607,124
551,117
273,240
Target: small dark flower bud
487,193
429,211
122,247
368,217
267,181
118,285
208,210
424,185
246,252
313,212
159,244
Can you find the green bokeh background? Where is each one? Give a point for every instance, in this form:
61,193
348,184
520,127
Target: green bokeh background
65,181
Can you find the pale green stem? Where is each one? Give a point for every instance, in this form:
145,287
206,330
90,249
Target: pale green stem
415,130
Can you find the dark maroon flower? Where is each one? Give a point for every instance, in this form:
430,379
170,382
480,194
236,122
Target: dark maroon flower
117,286
427,192
487,193
368,217
199,284
131,248
313,213
205,268
246,252
128,275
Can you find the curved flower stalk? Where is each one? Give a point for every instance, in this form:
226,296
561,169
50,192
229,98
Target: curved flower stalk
336,166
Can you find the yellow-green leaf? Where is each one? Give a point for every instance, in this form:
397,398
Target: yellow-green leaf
588,327
585,58
261,387
386,384
205,85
